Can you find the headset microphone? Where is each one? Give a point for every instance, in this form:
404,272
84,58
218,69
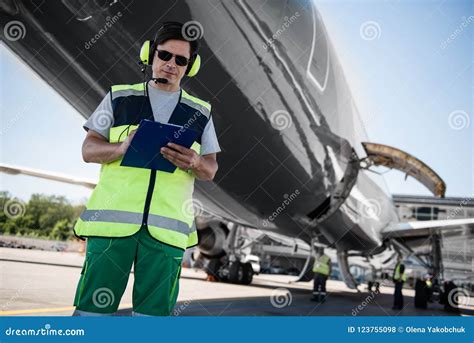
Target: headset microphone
160,80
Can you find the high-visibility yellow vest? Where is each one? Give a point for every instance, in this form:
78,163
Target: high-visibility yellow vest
126,198
321,265
397,275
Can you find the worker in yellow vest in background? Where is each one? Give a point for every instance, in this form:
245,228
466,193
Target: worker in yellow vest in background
429,287
399,277
322,270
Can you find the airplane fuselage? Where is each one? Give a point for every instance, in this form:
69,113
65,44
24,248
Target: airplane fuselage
286,120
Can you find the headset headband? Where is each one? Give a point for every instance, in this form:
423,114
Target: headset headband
148,49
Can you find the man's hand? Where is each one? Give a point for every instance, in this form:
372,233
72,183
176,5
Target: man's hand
97,149
181,157
126,143
203,167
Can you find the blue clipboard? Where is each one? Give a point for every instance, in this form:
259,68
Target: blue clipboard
151,136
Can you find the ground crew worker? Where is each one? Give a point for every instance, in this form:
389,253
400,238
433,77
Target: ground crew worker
138,216
429,287
399,277
322,269
421,294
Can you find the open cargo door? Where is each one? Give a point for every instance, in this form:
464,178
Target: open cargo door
384,155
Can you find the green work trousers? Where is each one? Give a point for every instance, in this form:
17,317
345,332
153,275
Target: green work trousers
107,266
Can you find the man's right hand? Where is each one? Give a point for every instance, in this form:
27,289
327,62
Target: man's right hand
126,143
97,149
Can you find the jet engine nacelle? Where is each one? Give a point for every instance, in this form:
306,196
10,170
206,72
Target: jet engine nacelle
212,239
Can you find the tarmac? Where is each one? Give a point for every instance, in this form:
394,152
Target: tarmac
43,283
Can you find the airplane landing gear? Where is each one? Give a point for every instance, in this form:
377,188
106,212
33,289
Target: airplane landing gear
233,272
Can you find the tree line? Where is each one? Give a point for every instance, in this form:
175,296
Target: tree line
43,216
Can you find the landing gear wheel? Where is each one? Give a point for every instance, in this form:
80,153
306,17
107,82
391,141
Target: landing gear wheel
212,268
247,273
235,272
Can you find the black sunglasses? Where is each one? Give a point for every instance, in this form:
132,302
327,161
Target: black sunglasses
166,56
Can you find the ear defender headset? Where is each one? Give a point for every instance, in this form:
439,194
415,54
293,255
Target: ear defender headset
148,49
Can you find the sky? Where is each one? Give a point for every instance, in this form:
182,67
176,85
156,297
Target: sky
409,66
412,82
29,140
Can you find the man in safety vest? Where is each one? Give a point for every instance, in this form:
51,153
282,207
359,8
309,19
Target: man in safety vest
429,286
399,277
322,269
138,216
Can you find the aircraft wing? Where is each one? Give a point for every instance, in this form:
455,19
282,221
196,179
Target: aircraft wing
405,229
422,240
15,170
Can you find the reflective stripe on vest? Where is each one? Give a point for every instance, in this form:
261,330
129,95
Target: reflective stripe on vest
116,207
112,216
321,265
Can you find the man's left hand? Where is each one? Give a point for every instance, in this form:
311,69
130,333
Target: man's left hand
181,156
